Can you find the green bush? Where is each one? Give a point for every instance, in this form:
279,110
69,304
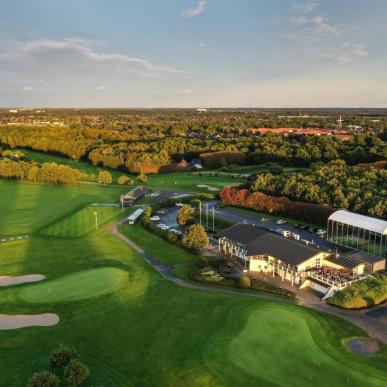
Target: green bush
244,282
266,287
62,355
75,373
43,379
361,294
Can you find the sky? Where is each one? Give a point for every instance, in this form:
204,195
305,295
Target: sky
193,53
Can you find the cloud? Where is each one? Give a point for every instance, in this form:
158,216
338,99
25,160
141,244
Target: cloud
304,7
346,53
27,88
101,88
315,25
194,11
201,45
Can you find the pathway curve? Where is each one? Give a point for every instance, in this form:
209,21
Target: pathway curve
373,326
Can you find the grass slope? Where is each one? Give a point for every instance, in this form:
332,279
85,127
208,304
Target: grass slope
81,222
151,332
165,252
77,286
26,207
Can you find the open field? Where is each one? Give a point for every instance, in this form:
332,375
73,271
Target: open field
180,181
147,331
83,166
82,222
162,250
27,207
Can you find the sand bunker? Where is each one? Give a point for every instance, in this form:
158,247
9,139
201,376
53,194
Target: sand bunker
364,347
8,322
21,279
209,187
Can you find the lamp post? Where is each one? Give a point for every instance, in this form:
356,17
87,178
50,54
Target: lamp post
96,219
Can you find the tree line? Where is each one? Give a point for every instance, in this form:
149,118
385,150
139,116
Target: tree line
217,146
362,190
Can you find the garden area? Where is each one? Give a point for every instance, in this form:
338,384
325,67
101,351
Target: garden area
362,294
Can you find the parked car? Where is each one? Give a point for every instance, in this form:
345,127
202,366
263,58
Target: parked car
179,204
320,232
263,219
155,218
177,232
280,221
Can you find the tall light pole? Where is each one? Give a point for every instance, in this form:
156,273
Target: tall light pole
213,218
200,212
96,219
207,215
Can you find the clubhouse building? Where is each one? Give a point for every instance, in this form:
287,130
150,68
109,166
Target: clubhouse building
257,249
134,196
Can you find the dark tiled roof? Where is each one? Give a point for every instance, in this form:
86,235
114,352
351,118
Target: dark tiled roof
260,241
344,261
365,257
137,192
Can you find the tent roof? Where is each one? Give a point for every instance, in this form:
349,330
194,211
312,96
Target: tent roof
361,221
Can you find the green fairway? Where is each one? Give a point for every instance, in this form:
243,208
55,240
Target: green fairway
82,222
180,181
133,327
26,207
161,249
294,356
78,286
183,181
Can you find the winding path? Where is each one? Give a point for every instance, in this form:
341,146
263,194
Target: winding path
372,326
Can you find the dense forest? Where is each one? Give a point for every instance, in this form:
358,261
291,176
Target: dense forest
362,190
158,148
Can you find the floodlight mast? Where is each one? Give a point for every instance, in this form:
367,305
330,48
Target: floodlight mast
96,219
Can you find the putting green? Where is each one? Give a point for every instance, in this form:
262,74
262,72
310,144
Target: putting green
277,346
78,286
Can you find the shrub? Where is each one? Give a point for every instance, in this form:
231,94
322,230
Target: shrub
244,282
43,379
105,177
196,237
142,177
75,373
362,294
123,180
185,214
203,261
172,237
62,355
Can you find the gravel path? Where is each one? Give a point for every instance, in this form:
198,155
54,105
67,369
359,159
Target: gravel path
374,327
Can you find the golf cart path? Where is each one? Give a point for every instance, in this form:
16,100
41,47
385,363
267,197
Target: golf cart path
372,326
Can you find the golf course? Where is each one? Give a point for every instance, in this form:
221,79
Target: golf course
133,327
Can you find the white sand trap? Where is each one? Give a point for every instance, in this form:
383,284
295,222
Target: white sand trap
17,321
20,279
209,187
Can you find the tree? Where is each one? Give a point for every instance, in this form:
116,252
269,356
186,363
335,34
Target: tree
142,177
185,214
123,180
75,373
62,355
105,177
43,379
196,237
244,282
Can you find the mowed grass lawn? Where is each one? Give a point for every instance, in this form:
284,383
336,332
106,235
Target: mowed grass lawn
180,181
27,208
77,286
82,222
147,331
164,251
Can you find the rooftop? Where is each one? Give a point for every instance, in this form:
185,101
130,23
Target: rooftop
361,221
260,241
